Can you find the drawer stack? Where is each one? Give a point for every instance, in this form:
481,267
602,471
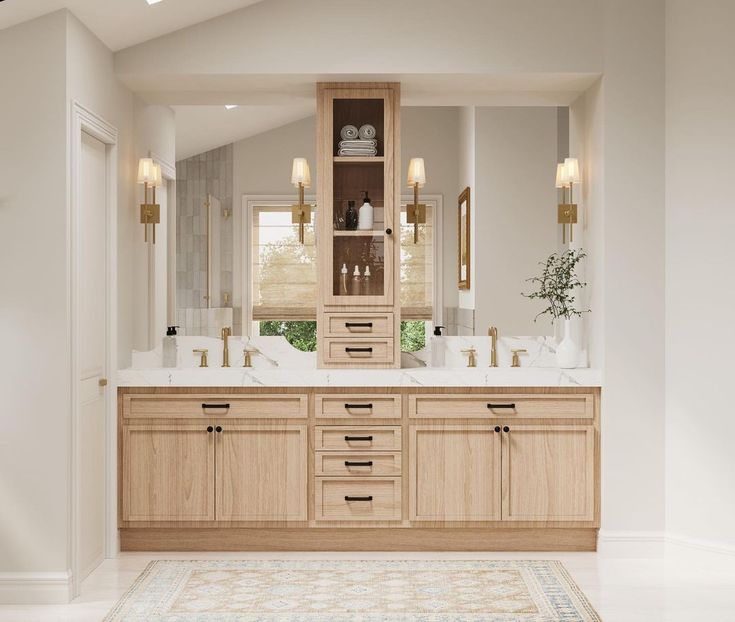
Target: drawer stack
351,338
357,467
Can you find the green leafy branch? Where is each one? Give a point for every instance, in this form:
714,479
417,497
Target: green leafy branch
556,285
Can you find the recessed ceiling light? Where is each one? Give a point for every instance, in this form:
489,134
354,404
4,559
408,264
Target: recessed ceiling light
228,106
153,1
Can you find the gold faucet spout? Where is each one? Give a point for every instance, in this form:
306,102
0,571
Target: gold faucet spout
226,334
493,334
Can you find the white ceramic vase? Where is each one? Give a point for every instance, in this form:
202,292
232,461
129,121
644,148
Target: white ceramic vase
567,353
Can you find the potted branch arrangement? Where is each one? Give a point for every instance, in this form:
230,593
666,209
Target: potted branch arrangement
556,286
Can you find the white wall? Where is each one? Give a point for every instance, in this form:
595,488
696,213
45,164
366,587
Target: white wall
466,162
700,255
62,62
515,215
34,319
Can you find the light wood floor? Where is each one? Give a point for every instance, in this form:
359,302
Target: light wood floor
682,586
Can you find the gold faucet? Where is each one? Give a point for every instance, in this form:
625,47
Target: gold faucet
248,362
226,333
472,360
516,362
203,353
493,334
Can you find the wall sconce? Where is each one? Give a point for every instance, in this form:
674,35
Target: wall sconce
416,212
567,174
301,178
149,174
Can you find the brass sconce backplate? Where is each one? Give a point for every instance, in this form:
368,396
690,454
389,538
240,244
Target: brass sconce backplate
301,215
567,214
416,214
150,214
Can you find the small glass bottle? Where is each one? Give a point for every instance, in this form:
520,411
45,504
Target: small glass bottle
366,281
351,217
343,280
356,282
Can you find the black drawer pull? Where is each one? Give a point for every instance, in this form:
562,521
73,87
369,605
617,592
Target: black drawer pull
351,406
367,498
368,463
358,438
358,349
225,406
494,406
358,324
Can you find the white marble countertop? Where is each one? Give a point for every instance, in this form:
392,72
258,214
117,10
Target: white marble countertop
418,377
278,364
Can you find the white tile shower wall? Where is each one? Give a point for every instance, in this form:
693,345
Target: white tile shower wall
203,322
197,177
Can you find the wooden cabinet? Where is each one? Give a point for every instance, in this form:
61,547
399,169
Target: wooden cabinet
168,472
509,473
357,310
454,473
261,472
548,473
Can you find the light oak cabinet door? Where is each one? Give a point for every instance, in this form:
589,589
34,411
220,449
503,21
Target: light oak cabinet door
261,472
168,472
454,473
548,473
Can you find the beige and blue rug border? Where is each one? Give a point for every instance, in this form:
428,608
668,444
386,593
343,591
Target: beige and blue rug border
572,590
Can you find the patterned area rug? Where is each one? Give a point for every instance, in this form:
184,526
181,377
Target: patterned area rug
354,591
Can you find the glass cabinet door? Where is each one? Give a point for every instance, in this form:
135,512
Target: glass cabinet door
362,203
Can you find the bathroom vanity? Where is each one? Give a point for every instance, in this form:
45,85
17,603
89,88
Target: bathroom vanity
329,467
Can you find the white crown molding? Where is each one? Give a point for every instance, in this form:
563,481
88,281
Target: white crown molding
35,588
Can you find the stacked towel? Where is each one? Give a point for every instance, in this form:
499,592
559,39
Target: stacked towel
356,142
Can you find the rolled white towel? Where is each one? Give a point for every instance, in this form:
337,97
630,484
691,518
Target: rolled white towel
349,132
366,132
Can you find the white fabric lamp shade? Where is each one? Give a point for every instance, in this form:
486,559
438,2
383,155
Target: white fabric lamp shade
157,177
416,172
561,177
146,173
571,170
300,174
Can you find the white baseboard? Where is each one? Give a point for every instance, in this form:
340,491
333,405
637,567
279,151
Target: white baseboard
710,546
631,543
35,588
653,543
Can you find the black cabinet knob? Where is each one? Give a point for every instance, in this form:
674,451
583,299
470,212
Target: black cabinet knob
506,428
210,428
218,428
388,231
497,428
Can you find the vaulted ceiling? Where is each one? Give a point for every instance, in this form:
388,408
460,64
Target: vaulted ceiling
122,23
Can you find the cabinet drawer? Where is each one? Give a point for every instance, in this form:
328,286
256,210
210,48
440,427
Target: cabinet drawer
220,406
386,438
358,464
359,350
501,406
376,498
359,325
352,406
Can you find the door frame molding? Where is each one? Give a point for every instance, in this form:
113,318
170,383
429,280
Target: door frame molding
83,120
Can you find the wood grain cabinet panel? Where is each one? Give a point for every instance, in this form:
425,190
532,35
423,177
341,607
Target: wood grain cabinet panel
168,472
359,351
375,498
260,406
501,406
261,472
369,437
357,464
548,473
454,473
358,325
358,405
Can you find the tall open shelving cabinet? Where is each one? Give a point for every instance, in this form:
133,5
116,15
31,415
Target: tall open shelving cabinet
358,319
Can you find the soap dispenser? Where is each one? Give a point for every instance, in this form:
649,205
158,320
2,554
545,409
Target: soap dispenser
170,349
366,213
438,346
356,282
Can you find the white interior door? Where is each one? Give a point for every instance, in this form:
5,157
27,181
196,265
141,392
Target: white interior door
92,352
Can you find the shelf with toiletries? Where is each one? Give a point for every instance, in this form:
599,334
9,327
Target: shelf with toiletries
360,266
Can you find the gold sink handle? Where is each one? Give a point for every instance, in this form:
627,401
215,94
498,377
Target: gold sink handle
203,352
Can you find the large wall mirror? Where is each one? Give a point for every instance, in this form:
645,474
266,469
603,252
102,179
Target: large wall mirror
240,263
